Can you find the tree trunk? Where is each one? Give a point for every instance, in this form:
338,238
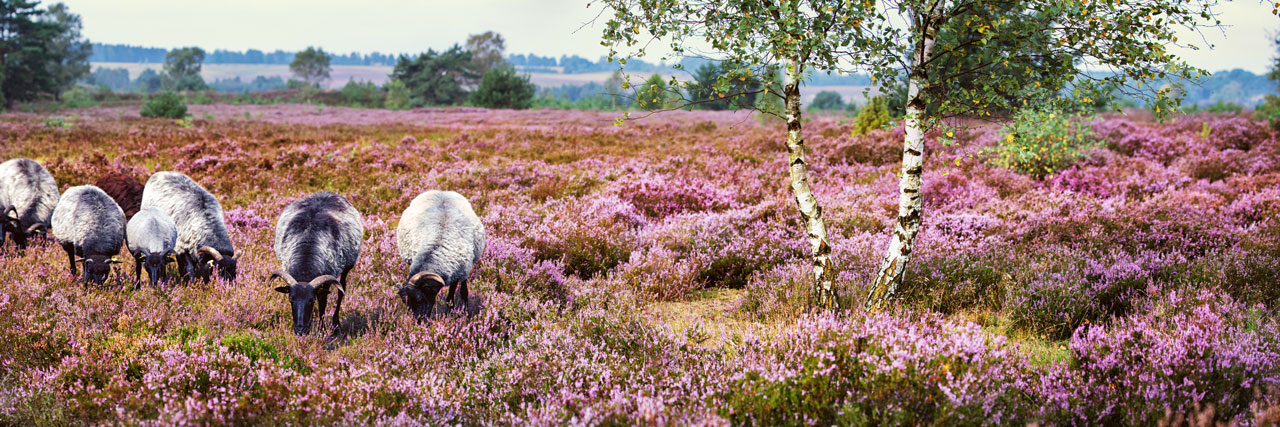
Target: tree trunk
910,203
824,293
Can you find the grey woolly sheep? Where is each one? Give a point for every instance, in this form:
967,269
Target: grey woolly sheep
441,239
203,243
89,225
28,194
318,240
151,238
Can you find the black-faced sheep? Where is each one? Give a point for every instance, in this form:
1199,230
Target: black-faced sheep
318,240
90,226
151,239
124,189
441,239
203,243
28,195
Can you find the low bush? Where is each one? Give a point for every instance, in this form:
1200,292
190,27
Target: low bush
1041,143
167,105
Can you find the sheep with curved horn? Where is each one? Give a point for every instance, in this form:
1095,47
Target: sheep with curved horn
441,239
302,298
89,225
28,195
318,241
203,244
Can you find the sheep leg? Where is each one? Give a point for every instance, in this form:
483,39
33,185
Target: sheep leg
137,272
453,292
322,299
464,294
337,311
71,256
183,268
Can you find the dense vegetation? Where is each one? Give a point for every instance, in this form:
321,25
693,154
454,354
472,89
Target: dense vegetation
657,263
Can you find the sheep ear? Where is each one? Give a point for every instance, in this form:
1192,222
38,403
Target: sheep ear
115,260
81,260
284,289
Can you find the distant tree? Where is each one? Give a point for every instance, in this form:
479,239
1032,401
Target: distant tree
25,57
739,92
436,78
311,66
69,49
182,69
653,95
827,100
116,79
397,96
503,87
149,81
486,50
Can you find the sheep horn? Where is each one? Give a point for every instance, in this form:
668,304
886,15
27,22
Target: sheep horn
324,282
418,279
283,275
12,213
211,252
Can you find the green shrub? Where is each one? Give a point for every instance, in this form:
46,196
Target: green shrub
1269,110
827,100
397,96
1042,142
874,116
200,98
503,87
78,97
166,105
358,94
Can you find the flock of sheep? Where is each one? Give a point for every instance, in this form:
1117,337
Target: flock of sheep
317,241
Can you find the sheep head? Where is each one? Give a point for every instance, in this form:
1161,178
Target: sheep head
210,260
419,293
302,297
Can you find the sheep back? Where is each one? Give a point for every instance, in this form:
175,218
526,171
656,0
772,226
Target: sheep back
89,219
27,186
440,233
197,214
317,235
150,231
124,189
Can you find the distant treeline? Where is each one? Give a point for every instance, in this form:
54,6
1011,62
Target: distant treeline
154,55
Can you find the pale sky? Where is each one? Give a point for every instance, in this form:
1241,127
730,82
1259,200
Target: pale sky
543,27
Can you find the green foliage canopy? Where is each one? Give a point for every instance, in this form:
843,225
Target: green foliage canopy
311,65
436,78
182,69
503,87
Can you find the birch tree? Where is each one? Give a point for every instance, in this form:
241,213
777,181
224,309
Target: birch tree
748,38
957,57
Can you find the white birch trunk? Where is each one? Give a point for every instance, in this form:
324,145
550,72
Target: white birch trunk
910,203
824,294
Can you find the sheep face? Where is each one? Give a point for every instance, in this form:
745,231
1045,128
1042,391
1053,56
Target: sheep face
419,294
302,304
210,260
21,235
97,268
155,264
303,296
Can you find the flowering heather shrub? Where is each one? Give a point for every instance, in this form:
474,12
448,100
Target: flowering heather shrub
878,369
1184,352
657,196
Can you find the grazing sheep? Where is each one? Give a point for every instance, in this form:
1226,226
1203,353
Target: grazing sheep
88,224
441,238
318,240
124,189
151,237
203,243
28,195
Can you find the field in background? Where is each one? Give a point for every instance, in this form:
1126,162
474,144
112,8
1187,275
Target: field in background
341,74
